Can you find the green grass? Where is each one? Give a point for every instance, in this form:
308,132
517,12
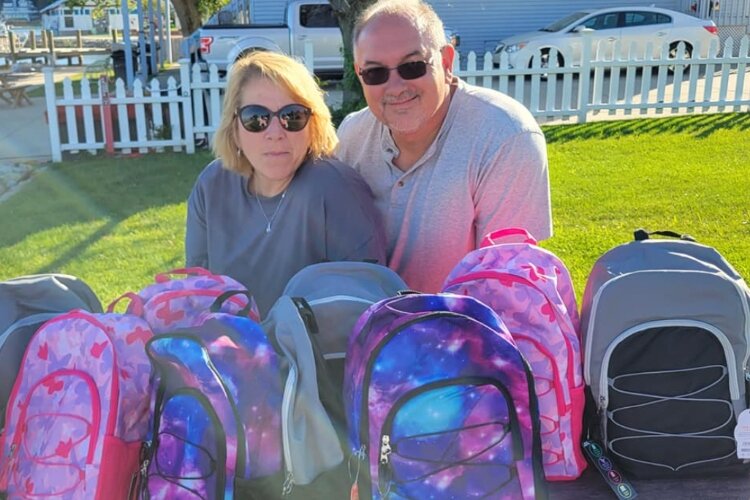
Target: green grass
115,222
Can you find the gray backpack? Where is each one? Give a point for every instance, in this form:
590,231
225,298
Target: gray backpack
665,326
25,304
338,293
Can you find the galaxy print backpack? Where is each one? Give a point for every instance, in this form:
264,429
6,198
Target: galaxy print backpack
531,290
78,411
440,403
216,411
180,297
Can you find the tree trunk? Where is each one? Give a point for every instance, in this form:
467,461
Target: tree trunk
347,12
188,14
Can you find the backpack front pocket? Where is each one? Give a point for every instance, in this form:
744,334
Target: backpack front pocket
457,438
190,450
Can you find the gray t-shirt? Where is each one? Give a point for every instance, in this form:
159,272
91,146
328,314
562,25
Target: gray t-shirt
486,170
326,214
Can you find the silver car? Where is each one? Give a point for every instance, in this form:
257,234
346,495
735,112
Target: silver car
631,26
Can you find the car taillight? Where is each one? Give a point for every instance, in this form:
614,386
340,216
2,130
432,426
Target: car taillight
206,42
711,28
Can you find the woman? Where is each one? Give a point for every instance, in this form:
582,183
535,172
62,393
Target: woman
275,201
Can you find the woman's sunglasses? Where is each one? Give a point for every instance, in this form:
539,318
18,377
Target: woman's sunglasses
257,118
378,75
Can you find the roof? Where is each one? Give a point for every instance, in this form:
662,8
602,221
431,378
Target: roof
60,3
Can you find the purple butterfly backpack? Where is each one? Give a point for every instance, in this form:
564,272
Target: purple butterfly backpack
216,426
78,412
180,298
531,290
440,403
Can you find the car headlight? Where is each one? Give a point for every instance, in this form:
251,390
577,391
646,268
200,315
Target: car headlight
514,47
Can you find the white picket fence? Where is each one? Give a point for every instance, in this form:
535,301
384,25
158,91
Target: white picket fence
156,117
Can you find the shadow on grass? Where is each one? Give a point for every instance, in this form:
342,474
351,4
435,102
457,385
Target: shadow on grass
98,188
699,126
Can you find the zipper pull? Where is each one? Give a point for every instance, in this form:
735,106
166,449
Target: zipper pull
359,456
384,470
385,449
286,488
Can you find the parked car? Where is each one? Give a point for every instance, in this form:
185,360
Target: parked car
313,20
628,25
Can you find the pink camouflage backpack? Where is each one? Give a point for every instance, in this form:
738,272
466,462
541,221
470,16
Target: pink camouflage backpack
531,290
180,298
79,409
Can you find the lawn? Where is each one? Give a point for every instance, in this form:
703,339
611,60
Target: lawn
115,222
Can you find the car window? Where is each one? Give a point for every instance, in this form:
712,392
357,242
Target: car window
602,21
317,16
565,21
645,19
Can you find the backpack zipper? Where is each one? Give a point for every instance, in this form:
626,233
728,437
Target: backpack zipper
290,389
336,298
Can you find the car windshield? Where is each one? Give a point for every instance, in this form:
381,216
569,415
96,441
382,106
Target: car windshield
564,22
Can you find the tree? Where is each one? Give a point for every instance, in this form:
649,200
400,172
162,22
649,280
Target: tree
347,12
191,13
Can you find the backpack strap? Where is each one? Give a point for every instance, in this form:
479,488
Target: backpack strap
641,235
495,237
246,311
135,307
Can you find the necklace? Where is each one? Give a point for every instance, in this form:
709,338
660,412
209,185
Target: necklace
269,220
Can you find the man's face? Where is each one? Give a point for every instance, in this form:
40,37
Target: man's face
405,106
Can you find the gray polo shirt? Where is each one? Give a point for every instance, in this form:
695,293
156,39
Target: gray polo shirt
486,170
326,214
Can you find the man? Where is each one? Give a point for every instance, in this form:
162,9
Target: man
448,162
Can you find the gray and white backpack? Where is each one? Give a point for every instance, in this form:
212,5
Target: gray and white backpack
665,326
338,293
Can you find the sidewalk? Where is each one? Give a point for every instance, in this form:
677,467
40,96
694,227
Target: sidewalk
24,136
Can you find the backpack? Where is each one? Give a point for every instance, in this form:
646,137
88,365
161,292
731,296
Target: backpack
313,459
26,303
665,326
440,403
216,407
338,293
78,411
531,290
171,304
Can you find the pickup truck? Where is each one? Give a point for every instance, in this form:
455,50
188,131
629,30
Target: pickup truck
314,20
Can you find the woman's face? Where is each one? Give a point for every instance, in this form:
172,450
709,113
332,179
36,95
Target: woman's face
275,153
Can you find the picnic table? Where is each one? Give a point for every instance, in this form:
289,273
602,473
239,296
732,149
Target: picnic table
12,89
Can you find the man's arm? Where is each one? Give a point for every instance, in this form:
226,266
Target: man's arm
513,188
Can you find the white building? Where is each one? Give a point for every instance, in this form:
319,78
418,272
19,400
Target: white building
61,19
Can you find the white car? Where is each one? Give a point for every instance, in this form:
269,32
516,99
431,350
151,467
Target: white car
629,25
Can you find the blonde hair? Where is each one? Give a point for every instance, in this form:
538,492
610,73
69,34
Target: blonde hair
294,78
419,13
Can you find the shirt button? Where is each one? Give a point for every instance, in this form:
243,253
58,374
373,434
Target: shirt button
400,184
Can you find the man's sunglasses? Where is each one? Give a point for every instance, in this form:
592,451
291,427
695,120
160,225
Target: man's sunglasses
378,75
257,118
